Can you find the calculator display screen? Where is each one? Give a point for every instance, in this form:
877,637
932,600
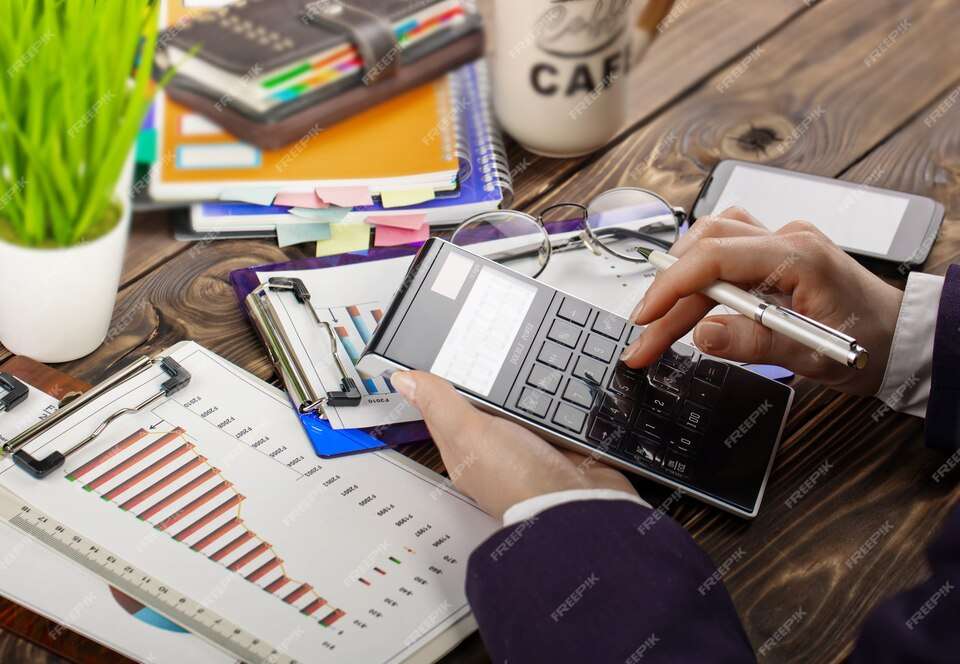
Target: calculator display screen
484,330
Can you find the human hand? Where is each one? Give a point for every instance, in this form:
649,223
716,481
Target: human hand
492,460
799,265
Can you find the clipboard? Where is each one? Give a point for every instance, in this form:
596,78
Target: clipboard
308,400
14,618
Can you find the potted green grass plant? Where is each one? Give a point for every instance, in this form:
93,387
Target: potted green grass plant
72,101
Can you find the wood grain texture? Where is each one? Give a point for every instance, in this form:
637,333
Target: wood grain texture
807,102
696,39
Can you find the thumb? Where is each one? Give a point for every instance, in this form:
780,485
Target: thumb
446,413
739,339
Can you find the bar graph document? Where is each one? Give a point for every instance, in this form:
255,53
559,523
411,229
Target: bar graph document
216,491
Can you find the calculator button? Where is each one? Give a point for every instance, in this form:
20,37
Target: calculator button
668,377
712,371
545,378
687,444
599,347
679,356
660,402
643,452
564,333
617,408
606,435
623,382
590,370
677,465
579,393
635,333
534,402
654,427
570,418
556,356
609,325
703,393
574,311
694,417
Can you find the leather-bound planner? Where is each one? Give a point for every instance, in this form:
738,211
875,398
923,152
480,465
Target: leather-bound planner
269,70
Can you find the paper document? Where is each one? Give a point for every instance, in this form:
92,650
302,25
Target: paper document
71,596
216,492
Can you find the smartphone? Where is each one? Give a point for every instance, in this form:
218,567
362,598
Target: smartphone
863,220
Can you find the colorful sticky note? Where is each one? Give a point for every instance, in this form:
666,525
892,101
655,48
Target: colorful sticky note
389,236
290,234
253,195
411,222
392,199
327,215
344,238
344,196
299,199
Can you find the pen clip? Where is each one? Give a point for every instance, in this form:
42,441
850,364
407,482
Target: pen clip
847,339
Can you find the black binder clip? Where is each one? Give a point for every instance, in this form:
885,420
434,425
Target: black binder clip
40,468
16,392
349,394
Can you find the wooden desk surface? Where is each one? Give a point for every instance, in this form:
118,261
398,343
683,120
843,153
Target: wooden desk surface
728,79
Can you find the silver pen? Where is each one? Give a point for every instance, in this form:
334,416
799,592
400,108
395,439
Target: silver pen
832,343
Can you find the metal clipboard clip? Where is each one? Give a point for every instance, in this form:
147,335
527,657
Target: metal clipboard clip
309,398
177,379
14,392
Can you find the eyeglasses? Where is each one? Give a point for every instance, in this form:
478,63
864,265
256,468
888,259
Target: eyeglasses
625,222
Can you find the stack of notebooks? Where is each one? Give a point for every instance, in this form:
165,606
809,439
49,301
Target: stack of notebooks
429,156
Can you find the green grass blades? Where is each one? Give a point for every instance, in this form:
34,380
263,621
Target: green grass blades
71,106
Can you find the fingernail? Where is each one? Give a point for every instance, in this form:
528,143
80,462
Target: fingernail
405,384
712,336
630,351
637,310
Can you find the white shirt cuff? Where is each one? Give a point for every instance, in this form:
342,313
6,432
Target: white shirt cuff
531,507
906,383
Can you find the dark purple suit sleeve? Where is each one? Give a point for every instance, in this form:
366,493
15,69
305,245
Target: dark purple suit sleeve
611,581
943,408
602,581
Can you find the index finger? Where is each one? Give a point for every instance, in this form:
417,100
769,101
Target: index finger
741,260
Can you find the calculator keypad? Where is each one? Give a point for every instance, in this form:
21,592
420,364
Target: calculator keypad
663,418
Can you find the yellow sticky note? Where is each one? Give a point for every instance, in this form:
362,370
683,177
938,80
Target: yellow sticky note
344,238
393,199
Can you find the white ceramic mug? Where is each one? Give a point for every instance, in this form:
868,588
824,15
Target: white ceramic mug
558,72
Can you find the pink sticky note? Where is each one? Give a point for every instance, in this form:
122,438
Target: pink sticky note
410,222
345,196
389,236
299,199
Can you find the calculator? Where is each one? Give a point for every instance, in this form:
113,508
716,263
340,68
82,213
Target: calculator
525,351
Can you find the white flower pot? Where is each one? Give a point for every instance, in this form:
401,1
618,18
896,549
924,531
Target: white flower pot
56,304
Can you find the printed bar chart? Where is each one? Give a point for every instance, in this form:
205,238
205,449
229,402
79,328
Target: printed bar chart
355,329
161,479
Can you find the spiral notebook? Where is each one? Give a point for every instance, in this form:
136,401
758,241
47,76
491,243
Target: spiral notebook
484,180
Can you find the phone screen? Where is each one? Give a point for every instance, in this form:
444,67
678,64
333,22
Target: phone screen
855,218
